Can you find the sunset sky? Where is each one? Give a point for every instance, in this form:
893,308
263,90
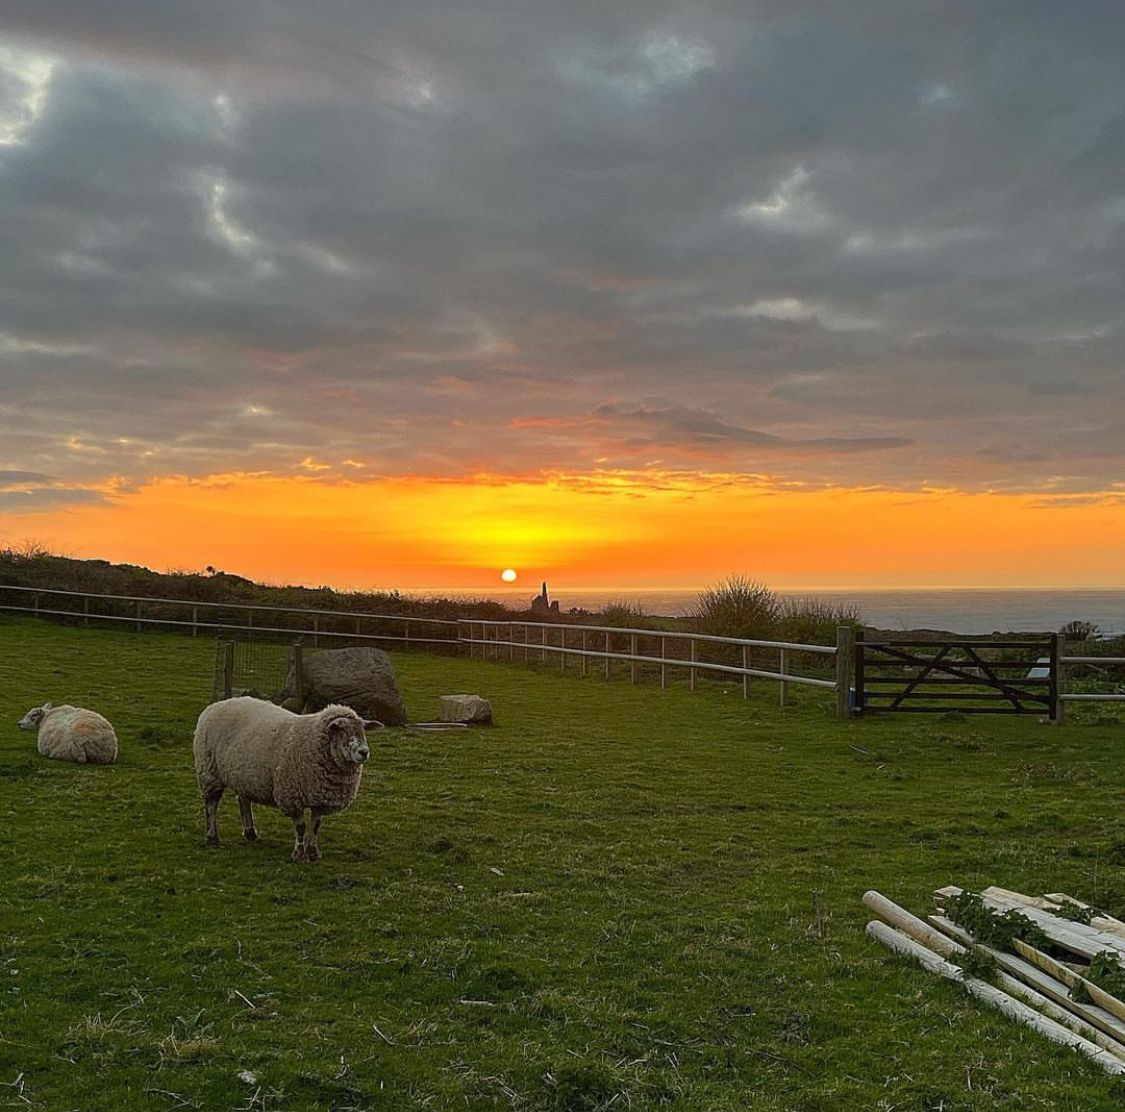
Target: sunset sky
633,293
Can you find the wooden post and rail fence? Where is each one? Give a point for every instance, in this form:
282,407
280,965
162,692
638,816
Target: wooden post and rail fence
868,676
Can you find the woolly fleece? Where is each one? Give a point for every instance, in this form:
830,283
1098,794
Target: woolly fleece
266,754
75,734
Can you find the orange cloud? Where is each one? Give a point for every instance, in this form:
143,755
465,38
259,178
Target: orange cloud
619,528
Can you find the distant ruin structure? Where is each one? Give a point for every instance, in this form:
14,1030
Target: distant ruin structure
543,606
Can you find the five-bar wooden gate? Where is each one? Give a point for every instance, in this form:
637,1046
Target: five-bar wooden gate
971,676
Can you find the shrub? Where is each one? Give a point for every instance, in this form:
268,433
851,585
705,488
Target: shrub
1079,631
737,607
813,621
627,615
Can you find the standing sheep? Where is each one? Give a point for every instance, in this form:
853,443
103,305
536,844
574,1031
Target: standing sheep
268,755
69,733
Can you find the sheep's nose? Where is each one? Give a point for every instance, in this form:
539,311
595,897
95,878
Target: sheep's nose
364,753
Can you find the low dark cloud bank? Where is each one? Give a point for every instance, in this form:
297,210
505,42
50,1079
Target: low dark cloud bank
877,242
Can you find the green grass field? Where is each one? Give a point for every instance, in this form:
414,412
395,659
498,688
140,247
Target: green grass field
615,898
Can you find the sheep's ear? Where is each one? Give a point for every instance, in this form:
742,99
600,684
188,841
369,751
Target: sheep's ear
46,707
372,724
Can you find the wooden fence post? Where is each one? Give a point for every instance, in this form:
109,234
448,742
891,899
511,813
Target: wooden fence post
562,655
845,660
228,669
607,654
632,663
1056,685
86,610
138,625
859,680
297,657
195,621
663,663
783,668
316,632
691,670
745,665
585,660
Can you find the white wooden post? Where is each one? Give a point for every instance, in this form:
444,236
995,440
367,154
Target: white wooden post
607,654
784,669
585,661
691,680
632,663
745,665
663,663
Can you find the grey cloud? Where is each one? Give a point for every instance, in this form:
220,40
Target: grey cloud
43,498
240,235
679,424
21,479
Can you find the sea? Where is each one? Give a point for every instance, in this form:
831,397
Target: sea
974,610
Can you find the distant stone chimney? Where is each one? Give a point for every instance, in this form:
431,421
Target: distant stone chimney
542,605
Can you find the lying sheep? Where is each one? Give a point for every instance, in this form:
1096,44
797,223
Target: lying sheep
293,762
69,733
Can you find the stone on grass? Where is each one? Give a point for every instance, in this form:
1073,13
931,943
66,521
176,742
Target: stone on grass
361,677
471,709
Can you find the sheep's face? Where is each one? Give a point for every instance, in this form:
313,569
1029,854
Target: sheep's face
31,720
348,741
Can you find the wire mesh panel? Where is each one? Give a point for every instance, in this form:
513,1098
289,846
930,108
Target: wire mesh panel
250,667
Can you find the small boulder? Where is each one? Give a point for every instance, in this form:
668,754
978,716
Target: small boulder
471,709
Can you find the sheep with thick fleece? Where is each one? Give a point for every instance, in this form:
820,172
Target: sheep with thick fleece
69,733
294,762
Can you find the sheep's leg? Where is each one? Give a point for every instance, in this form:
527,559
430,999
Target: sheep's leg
246,808
211,807
299,851
311,847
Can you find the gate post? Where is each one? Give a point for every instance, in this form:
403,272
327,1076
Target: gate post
845,661
1056,686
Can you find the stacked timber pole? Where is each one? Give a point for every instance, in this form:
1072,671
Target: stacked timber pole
1053,995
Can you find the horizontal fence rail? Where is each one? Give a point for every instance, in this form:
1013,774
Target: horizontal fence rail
1095,697
540,640
411,630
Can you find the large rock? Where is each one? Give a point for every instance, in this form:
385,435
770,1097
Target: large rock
466,708
362,678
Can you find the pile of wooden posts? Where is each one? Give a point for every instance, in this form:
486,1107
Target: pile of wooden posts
1050,992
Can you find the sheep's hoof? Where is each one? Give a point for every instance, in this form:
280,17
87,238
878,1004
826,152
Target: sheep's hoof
250,835
313,853
299,854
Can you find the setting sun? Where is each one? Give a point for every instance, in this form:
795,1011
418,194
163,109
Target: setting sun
509,575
